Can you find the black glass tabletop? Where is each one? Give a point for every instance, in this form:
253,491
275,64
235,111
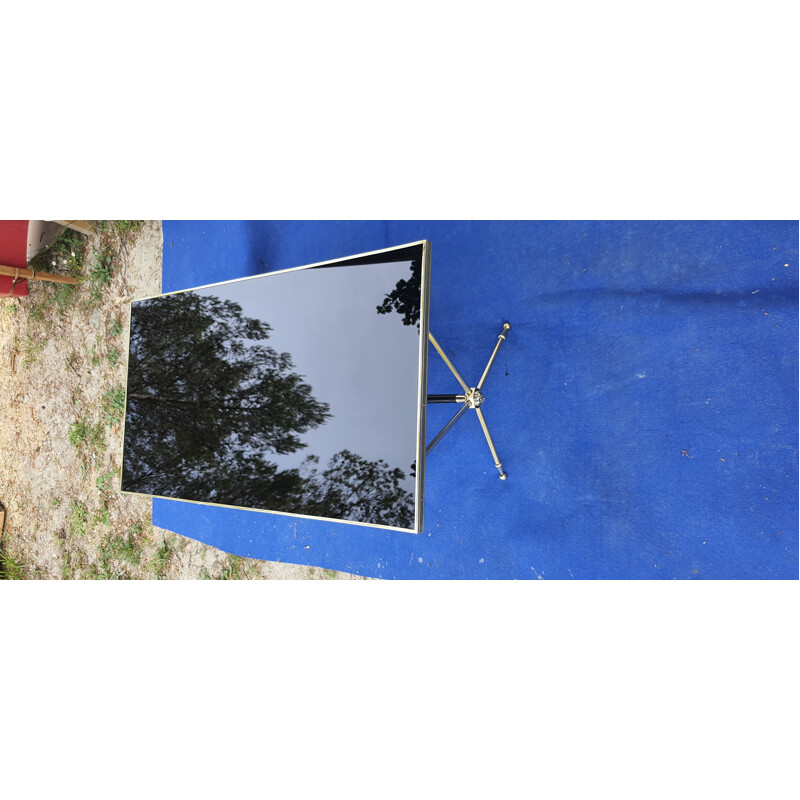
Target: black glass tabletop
298,392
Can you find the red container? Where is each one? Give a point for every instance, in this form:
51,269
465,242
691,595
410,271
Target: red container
13,253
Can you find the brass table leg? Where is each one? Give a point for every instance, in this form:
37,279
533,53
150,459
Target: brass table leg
471,399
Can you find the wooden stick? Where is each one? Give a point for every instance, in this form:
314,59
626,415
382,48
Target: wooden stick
33,275
80,225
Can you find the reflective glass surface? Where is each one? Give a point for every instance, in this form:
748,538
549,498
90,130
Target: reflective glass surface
297,392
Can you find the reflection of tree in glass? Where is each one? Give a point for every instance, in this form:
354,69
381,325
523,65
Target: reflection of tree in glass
359,490
405,297
208,402
205,397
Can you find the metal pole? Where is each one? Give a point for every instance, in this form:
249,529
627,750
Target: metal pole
456,417
497,463
449,363
500,339
447,398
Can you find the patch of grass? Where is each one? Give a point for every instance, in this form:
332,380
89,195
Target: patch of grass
98,439
329,573
11,308
60,295
64,255
79,433
63,296
112,356
36,313
79,521
160,561
113,406
232,571
101,272
31,350
82,434
139,529
127,549
115,329
120,226
55,502
10,570
125,226
116,554
72,561
87,438
101,516
67,570
104,481
99,276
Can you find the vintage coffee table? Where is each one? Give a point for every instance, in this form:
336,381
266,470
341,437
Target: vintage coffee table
299,392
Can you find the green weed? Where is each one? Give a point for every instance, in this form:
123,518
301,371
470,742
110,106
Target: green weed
36,313
128,550
79,522
232,571
99,277
63,296
83,434
60,295
10,570
104,481
160,561
139,528
112,356
101,272
118,553
31,350
124,226
72,561
114,554
101,516
113,406
87,438
98,439
67,570
79,433
65,254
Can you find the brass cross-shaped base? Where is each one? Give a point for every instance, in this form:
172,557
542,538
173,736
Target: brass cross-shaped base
472,398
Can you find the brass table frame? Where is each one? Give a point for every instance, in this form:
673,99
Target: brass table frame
472,398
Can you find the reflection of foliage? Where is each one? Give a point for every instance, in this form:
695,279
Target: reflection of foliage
359,490
203,392
405,297
208,402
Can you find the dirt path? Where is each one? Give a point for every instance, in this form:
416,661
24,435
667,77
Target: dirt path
62,376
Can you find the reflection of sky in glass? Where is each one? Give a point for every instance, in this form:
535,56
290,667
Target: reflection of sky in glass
363,364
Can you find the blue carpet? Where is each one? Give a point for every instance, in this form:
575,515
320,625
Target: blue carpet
645,404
